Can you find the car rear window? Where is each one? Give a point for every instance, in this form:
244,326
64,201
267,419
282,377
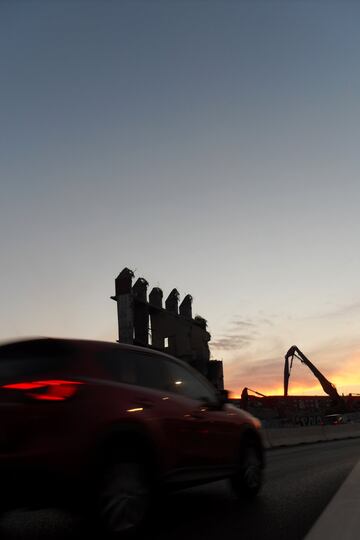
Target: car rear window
24,359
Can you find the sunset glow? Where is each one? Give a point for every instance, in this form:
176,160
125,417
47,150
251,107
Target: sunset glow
347,381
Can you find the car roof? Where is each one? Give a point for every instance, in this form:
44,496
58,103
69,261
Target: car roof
63,345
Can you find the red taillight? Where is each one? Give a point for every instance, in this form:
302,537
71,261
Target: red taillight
52,390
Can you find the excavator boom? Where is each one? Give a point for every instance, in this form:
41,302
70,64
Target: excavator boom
294,352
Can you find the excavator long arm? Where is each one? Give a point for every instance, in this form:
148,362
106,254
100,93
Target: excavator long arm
254,392
327,386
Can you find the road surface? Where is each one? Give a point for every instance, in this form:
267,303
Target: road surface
299,484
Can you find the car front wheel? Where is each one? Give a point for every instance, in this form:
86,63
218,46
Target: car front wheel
248,479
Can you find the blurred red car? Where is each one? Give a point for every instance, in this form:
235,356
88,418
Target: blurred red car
108,424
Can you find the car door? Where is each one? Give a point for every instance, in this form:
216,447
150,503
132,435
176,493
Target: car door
176,415
144,381
214,431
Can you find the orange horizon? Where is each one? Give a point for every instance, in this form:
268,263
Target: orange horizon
279,391
346,382
294,390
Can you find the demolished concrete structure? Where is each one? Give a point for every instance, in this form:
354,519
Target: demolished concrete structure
144,321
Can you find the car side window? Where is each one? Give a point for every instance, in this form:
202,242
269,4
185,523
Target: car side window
151,371
182,381
132,367
119,365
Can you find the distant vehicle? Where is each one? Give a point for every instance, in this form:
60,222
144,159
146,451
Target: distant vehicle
110,425
333,419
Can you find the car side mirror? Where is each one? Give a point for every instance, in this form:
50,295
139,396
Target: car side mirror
223,397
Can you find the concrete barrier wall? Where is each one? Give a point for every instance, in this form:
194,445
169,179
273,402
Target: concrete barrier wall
275,437
342,431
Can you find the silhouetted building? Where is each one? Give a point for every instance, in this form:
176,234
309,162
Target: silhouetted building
144,321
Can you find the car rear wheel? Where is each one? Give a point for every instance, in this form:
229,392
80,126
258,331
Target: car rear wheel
123,499
249,478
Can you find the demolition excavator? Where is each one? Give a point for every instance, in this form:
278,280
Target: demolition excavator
328,387
245,396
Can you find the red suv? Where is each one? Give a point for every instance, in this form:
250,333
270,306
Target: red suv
109,424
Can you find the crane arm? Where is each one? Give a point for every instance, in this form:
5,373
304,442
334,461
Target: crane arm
255,392
327,386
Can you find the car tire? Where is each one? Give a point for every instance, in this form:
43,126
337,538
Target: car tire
123,500
247,481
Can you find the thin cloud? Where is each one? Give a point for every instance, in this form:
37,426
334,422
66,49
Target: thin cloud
338,312
251,323
243,324
232,342
241,334
266,321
